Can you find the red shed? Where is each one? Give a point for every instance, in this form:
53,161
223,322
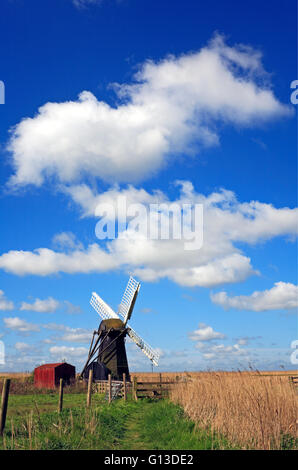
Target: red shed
49,375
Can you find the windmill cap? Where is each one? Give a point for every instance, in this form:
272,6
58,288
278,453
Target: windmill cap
115,323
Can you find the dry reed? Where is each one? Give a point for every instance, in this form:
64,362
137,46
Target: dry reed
249,409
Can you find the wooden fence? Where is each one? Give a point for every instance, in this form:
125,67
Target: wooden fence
139,388
152,389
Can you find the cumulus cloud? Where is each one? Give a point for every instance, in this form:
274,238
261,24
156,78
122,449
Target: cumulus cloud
19,325
206,341
221,351
49,305
76,335
283,296
226,222
66,240
4,303
68,352
43,261
172,107
205,333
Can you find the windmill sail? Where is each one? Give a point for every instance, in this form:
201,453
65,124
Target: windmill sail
128,299
125,311
147,350
103,309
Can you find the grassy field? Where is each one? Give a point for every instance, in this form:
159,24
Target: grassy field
121,425
22,405
210,410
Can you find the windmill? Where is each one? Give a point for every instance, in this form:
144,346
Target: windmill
107,354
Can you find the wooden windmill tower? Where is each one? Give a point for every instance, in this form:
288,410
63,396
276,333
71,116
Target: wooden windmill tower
107,354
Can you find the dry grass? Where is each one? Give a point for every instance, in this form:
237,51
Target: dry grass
251,410
15,375
181,376
24,385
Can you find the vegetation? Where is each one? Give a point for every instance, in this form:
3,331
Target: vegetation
251,410
22,405
205,411
163,425
23,384
122,425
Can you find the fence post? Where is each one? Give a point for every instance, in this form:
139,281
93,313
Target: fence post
110,387
135,388
4,403
124,386
89,391
60,404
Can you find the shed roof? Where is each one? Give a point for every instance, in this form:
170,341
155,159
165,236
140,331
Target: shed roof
51,366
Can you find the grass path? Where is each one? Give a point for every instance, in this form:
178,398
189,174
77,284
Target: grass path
162,426
132,439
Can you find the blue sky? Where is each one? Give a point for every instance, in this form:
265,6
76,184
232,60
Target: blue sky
125,98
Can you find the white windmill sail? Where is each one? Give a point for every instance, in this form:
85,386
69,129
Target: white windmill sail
128,299
125,310
103,309
147,350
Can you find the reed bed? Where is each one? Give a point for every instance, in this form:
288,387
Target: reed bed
251,410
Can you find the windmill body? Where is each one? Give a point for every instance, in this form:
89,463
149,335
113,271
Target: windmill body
107,354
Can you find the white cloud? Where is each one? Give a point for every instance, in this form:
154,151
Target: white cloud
90,202
220,260
283,296
84,3
205,333
4,303
43,261
71,308
205,338
23,347
49,305
68,353
77,335
220,351
247,339
172,107
226,269
19,325
55,326
67,240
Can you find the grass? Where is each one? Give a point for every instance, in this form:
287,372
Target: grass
121,425
21,405
164,426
